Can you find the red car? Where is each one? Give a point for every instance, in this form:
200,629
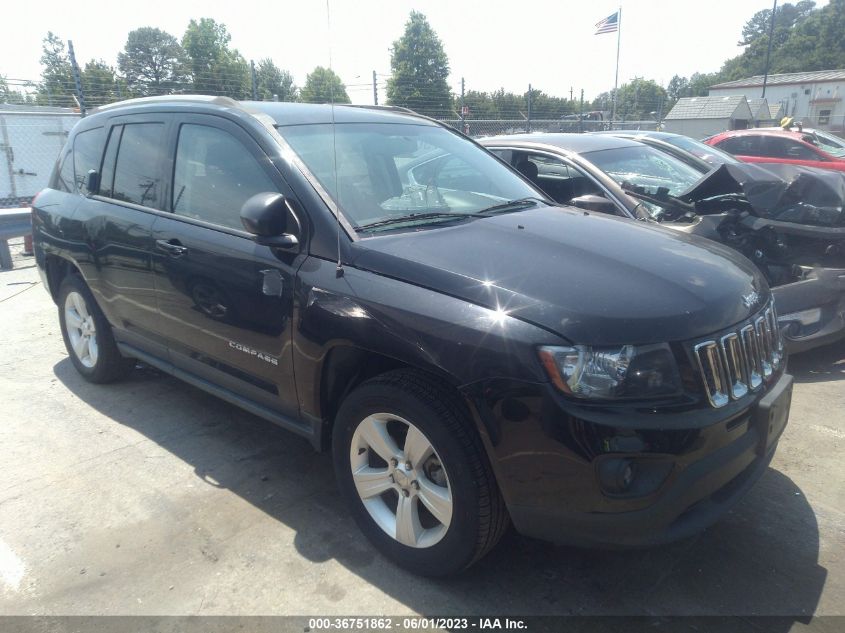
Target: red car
776,146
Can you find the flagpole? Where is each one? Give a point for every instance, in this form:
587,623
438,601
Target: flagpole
616,80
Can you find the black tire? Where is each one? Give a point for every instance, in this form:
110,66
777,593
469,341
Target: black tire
110,364
479,517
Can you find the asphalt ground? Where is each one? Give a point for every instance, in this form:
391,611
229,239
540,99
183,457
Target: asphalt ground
152,497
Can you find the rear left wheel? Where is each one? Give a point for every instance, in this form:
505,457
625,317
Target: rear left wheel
87,334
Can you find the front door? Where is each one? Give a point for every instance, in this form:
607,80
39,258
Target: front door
226,302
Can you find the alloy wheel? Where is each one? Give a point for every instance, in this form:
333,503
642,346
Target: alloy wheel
81,329
401,480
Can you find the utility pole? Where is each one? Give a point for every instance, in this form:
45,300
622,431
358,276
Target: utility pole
769,47
571,97
463,106
375,89
528,124
77,79
581,114
659,111
254,81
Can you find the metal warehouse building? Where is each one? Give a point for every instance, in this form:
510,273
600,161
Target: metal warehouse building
812,97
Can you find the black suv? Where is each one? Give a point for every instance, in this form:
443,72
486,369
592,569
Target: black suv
472,353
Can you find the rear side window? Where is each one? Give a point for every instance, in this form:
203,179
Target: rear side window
777,147
214,175
87,152
137,171
745,145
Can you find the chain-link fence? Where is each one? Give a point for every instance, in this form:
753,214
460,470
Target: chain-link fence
496,127
30,141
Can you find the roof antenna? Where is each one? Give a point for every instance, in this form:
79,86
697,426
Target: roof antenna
339,270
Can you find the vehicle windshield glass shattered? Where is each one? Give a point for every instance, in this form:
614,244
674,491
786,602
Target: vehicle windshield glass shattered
831,144
702,150
645,167
393,176
645,170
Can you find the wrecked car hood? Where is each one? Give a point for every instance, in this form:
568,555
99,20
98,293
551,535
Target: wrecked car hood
782,192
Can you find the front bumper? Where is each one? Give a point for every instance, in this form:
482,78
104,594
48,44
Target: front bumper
711,466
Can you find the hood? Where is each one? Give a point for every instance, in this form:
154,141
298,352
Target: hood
591,278
778,191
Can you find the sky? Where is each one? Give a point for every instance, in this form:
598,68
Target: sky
547,43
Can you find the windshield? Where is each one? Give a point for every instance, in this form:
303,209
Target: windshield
830,143
388,173
645,167
712,155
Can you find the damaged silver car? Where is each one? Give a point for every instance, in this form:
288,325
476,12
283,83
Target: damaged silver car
789,220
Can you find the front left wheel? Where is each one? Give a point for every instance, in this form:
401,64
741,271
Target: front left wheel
415,475
87,334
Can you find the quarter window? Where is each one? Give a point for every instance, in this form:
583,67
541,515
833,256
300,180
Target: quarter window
64,175
136,174
214,175
87,151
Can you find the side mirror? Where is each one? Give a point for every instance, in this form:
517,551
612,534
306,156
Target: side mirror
592,202
92,182
265,216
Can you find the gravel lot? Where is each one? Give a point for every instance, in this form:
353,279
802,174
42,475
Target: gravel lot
151,497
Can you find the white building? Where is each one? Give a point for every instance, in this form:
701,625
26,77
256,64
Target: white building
704,116
815,98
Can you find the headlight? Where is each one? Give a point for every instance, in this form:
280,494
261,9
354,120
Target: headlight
625,371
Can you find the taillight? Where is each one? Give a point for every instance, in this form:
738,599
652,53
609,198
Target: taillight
32,214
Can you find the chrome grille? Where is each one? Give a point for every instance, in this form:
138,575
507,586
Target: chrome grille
740,360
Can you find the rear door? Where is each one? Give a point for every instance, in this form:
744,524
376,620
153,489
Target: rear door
226,302
786,150
116,221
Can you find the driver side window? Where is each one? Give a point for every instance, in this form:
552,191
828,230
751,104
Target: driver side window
214,175
560,180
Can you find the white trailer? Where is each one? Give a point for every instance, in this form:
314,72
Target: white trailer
30,140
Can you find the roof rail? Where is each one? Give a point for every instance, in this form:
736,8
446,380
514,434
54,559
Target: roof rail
393,108
223,101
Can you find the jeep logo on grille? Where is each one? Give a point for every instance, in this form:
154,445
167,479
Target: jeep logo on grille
751,299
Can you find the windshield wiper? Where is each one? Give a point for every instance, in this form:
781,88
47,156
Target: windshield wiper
413,217
511,205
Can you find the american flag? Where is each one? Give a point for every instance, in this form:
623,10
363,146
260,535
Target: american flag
609,25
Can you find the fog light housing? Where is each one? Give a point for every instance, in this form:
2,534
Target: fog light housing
616,475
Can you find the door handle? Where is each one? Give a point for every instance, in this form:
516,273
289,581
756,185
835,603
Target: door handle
171,247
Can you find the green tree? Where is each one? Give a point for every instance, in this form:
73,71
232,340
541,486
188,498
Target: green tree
640,99
152,62
786,16
12,95
57,85
322,85
816,42
273,82
677,87
215,69
545,106
420,69
100,84
699,83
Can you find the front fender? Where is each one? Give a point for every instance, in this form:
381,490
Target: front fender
461,342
